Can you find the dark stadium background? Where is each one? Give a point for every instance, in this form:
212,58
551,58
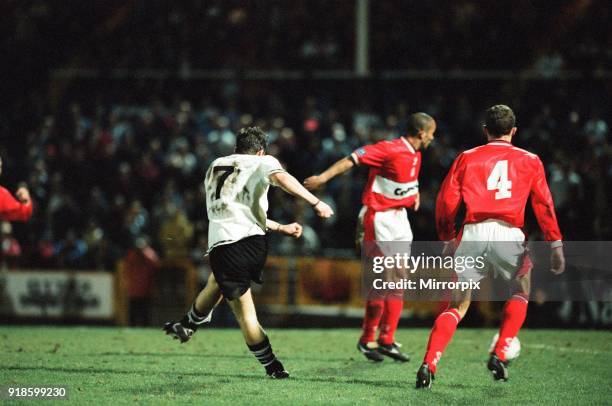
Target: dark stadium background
112,111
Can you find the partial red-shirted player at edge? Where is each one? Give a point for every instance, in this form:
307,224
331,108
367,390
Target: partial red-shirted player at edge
494,181
12,209
392,187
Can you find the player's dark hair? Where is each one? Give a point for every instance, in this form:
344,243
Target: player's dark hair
251,140
418,122
499,120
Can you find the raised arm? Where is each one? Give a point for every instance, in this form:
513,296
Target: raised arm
293,187
341,166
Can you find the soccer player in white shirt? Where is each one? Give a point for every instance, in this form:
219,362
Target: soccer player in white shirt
236,199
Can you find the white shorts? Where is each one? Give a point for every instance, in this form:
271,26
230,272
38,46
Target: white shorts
495,245
384,226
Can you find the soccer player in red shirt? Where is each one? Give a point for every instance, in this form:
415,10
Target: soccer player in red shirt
12,209
494,181
392,187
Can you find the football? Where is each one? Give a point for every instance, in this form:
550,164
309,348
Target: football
512,349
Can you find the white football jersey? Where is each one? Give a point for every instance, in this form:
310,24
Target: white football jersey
237,196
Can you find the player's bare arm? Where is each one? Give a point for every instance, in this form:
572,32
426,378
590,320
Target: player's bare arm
23,195
293,187
417,202
557,260
341,166
292,230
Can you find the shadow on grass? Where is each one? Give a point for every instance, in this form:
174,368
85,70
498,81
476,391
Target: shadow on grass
253,377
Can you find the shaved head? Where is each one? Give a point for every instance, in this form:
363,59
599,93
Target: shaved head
418,122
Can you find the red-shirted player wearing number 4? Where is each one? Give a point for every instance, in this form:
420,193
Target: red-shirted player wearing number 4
392,187
494,181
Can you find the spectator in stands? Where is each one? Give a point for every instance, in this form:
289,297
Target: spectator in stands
140,267
175,233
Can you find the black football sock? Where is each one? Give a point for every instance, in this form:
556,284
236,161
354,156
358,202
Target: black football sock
194,319
264,354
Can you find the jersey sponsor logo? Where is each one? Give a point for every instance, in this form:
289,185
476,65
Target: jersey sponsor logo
403,192
394,190
361,151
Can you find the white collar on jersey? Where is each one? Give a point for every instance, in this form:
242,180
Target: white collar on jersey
504,143
410,147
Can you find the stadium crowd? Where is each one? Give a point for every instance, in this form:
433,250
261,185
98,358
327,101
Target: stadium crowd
106,176
112,162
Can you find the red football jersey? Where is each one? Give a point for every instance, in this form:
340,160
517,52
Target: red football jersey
11,209
394,172
494,181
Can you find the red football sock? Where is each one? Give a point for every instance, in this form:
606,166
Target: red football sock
515,311
394,304
441,334
371,319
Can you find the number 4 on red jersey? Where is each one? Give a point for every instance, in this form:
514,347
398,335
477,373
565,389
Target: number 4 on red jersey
494,181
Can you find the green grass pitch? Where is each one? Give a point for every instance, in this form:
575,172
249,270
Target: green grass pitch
124,365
